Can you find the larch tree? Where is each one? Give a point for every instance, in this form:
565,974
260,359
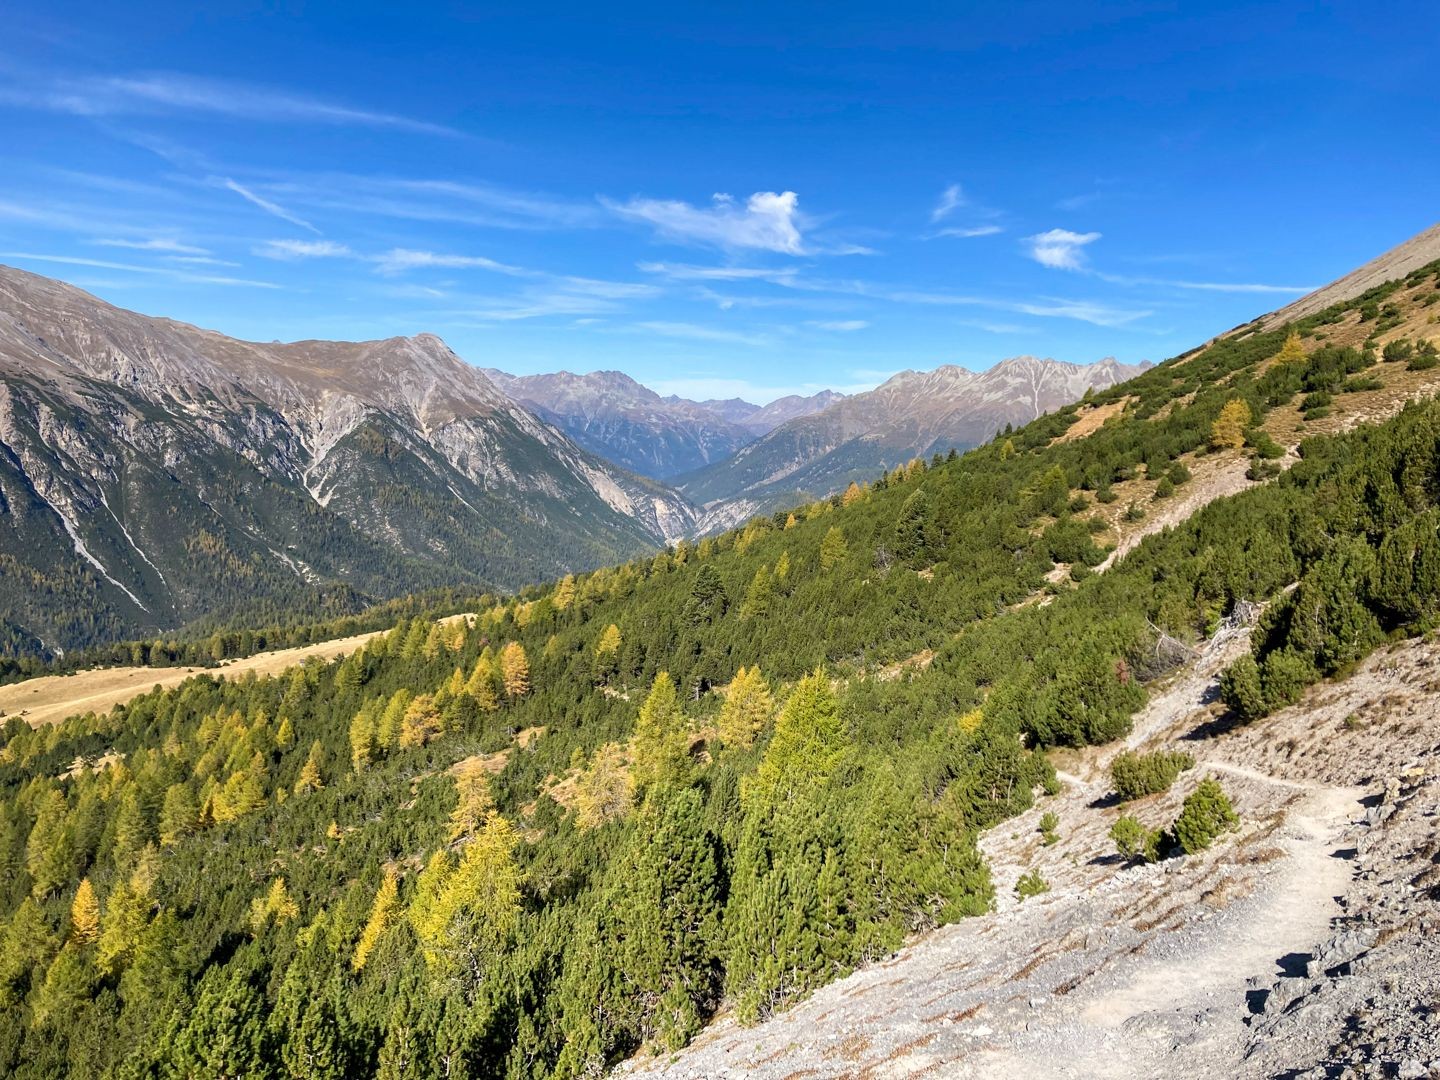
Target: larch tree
1292,352
421,723
604,789
84,915
747,709
468,925
1228,431
833,548
473,800
383,913
808,745
515,670
310,778
758,595
481,685
660,745
607,654
179,814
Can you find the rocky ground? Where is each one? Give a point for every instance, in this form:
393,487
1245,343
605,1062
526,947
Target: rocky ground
1305,944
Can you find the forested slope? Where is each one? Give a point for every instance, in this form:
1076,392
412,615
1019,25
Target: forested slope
535,845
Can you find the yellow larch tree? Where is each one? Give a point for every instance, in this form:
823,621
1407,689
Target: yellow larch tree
85,915
515,670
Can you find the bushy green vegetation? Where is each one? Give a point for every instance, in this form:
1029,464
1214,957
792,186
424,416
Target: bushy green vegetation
1137,775
1205,815
535,845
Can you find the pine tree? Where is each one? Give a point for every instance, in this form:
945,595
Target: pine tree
383,913
833,548
84,915
50,851
1228,431
515,670
665,905
747,709
661,749
310,778
708,599
912,530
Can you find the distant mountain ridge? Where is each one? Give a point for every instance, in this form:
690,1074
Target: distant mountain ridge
913,413
152,473
612,415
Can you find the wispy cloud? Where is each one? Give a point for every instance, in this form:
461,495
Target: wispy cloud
160,244
1081,310
302,249
1211,286
265,204
1060,249
399,260
689,272
969,233
694,332
843,326
167,92
951,199
165,271
766,221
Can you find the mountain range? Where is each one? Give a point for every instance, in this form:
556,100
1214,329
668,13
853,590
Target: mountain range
611,414
153,473
913,413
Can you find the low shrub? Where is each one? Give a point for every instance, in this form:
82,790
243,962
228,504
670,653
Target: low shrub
1137,775
1206,814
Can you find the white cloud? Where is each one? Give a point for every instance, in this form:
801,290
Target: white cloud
165,271
168,92
399,260
766,222
951,199
1082,310
265,204
843,326
302,249
1060,249
970,233
688,272
693,332
162,244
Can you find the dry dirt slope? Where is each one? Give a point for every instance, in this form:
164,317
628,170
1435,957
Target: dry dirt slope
1191,967
50,698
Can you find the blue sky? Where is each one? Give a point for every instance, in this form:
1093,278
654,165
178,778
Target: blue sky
718,199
